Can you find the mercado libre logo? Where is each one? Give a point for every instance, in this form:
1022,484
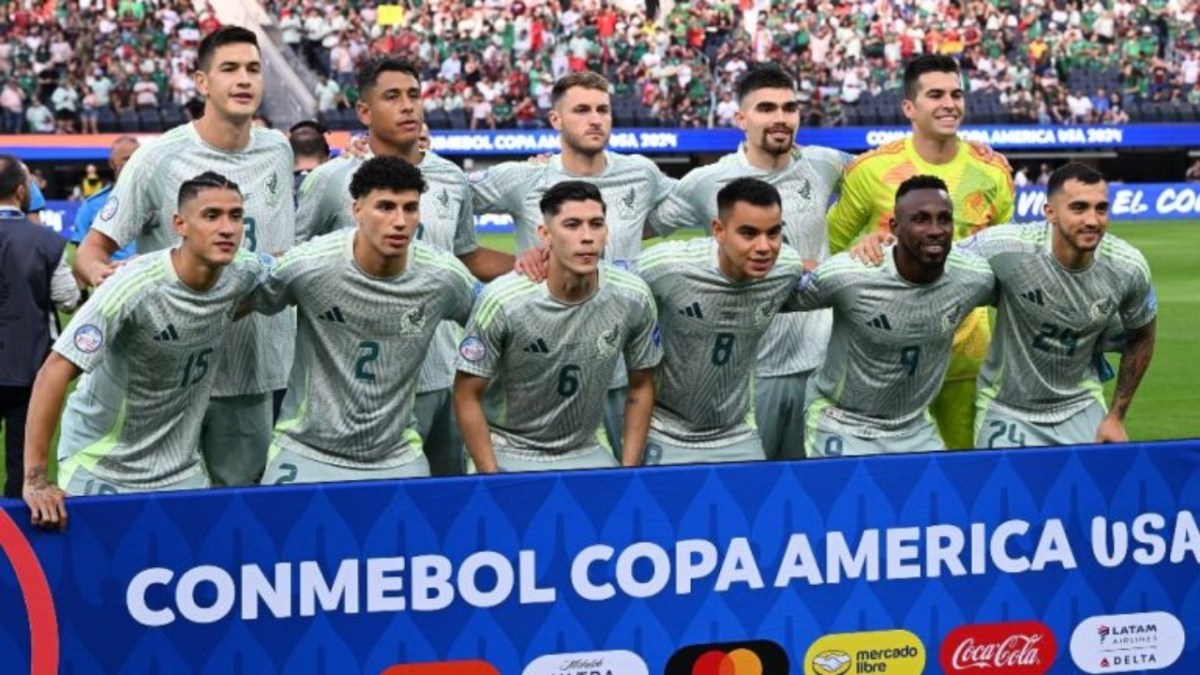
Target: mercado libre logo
895,652
39,604
753,657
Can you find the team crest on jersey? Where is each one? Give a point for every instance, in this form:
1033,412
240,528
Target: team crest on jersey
472,349
443,203
765,312
628,203
1102,308
805,190
414,320
110,208
273,189
952,318
88,338
608,341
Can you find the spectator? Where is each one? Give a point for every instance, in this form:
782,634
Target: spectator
145,94
91,183
1080,107
726,110
526,114
65,100
39,279
481,113
1044,174
12,104
328,94
291,27
90,116
39,118
1021,177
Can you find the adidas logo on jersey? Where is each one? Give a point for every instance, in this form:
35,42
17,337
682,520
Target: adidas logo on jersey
537,347
334,315
168,334
880,321
1035,297
692,310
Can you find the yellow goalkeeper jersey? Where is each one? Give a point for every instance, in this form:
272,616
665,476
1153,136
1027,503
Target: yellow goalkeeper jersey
981,190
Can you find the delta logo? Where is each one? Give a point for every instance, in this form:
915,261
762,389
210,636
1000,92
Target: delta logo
444,668
753,657
895,652
1124,643
1010,648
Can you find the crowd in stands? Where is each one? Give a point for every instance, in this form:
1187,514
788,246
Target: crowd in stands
490,63
71,67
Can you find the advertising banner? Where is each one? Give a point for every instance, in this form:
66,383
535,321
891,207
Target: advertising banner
38,147
1142,201
1033,561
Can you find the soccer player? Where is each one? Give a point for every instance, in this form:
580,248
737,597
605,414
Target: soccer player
717,297
581,111
769,113
541,354
118,156
258,350
1061,281
980,186
369,301
149,341
893,325
391,109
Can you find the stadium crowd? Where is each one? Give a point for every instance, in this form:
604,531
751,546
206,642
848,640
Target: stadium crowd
491,64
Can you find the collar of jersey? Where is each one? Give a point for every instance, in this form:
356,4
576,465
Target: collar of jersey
794,154
11,213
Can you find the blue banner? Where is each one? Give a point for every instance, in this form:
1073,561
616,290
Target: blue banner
45,148
1028,562
1142,201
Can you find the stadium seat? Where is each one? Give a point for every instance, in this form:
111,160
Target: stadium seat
128,120
149,120
107,121
437,119
172,117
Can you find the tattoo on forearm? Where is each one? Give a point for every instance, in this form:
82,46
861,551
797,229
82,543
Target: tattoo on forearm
37,477
1135,360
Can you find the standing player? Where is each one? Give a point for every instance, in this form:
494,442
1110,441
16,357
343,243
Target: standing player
391,109
1060,283
369,301
982,191
149,341
541,354
258,351
769,113
718,297
581,111
893,326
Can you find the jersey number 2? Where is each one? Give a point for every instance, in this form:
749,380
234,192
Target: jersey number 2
368,351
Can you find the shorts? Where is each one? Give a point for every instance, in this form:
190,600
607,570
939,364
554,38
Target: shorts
663,450
998,428
77,481
286,466
826,438
593,457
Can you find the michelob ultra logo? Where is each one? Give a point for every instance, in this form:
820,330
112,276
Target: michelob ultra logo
895,652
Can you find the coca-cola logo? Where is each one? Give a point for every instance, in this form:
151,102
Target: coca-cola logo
1014,648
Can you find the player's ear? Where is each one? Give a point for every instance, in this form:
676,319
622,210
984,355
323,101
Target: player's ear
180,225
555,119
908,108
363,112
543,233
356,208
201,79
718,229
739,119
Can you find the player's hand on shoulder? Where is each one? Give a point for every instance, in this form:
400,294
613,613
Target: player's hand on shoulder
542,159
985,151
45,500
357,147
104,271
869,249
534,264
1111,430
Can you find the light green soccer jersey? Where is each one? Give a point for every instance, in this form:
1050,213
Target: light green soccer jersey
258,351
711,328
359,344
795,343
550,363
149,347
891,338
447,222
1049,318
631,185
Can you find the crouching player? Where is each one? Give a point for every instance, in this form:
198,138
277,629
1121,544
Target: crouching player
535,367
149,343
368,302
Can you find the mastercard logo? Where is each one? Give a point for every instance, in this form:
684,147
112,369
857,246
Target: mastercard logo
755,657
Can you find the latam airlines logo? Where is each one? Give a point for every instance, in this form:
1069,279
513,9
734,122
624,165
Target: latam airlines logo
1122,643
1013,648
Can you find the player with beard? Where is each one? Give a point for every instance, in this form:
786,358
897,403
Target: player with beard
1061,281
980,185
390,107
632,185
893,326
769,113
258,350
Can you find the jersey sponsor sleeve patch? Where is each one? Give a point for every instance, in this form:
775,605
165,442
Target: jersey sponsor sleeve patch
88,338
472,349
110,208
